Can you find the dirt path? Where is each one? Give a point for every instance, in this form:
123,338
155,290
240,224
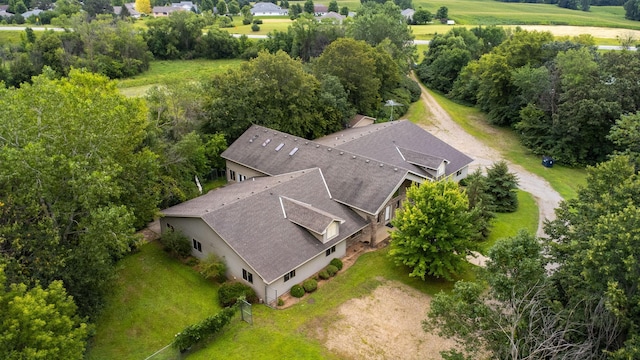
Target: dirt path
443,126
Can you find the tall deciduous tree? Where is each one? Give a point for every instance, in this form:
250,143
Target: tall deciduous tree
143,6
433,230
271,90
353,63
39,323
516,317
333,6
375,22
595,241
75,181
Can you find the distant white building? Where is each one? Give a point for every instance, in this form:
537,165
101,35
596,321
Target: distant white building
267,9
132,10
408,13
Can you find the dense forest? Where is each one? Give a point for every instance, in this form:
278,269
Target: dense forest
562,97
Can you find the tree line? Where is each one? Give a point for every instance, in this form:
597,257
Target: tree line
562,97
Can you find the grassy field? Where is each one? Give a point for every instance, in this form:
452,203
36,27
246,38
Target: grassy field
168,72
564,180
156,296
10,37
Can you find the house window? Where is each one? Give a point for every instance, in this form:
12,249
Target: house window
387,213
197,245
398,204
170,227
247,276
241,177
330,250
289,275
459,172
232,175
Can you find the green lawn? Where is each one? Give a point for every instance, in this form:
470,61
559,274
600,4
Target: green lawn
157,296
171,71
154,298
10,37
508,224
564,180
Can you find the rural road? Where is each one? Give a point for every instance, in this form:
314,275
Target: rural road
443,126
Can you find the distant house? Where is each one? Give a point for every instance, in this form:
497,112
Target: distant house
451,22
132,10
333,17
293,204
159,11
186,5
408,14
4,13
267,9
31,13
320,10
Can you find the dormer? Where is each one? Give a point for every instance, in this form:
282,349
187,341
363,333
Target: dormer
321,224
435,166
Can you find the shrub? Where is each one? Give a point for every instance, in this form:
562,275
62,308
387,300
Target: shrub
176,243
310,285
257,21
229,293
324,275
213,268
255,27
297,291
246,21
192,334
280,302
332,270
337,263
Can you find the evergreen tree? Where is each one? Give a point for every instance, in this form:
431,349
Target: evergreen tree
502,187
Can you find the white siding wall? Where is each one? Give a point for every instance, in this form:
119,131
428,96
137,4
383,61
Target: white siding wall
195,228
304,272
241,170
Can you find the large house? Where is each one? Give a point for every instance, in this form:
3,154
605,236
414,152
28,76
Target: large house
268,9
294,204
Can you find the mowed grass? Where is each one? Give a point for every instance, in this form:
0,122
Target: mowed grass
509,224
10,37
154,297
163,72
564,180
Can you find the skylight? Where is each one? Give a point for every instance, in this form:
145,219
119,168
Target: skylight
293,151
266,142
279,146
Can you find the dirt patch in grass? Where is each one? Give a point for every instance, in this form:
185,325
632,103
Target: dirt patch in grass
387,324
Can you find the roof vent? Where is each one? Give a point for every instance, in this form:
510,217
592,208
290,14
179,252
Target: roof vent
250,140
317,145
366,161
328,149
395,169
341,153
306,143
293,151
279,146
381,165
353,157
266,142
285,136
295,139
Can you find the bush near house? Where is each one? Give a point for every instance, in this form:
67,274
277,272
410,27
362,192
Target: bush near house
337,263
175,243
332,270
213,268
297,291
310,285
229,293
324,274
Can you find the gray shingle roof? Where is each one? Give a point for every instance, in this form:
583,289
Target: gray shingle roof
353,179
307,216
252,221
420,159
380,142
